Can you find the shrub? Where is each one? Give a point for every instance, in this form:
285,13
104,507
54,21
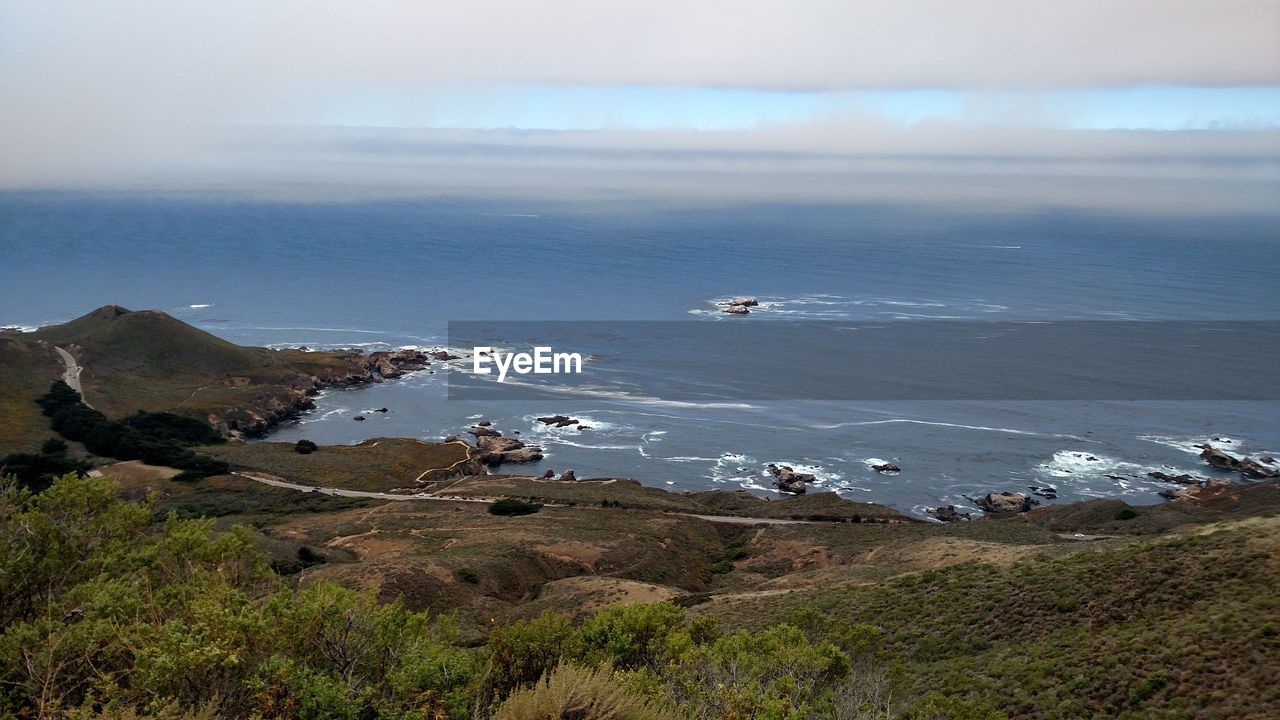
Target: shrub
36,471
1126,513
467,575
526,650
574,692
512,506
305,447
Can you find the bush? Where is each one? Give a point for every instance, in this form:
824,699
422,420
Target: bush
512,506
525,650
1126,513
574,692
305,447
36,471
467,575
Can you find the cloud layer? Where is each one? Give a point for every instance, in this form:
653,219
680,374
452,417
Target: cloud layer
95,93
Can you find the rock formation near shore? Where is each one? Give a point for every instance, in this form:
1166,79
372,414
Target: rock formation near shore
1246,466
788,480
285,403
495,449
1005,502
947,514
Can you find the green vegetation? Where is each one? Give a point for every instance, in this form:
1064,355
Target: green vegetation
102,609
1083,635
244,500
305,447
512,506
571,691
154,438
109,611
36,471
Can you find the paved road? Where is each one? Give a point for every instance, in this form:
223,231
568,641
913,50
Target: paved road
338,492
71,375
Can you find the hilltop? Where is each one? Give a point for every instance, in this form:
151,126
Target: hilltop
148,360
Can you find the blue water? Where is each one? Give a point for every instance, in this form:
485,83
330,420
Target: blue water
393,273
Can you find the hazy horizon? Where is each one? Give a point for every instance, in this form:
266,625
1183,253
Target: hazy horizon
1131,106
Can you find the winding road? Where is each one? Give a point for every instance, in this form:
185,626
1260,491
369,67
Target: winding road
71,375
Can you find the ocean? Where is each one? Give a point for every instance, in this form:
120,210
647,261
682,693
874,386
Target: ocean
393,273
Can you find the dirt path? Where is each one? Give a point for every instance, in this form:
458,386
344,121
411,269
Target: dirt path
338,492
277,482
736,520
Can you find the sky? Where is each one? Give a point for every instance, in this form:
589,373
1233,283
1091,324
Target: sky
758,97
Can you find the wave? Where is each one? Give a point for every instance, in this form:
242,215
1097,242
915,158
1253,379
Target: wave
1191,445
310,329
959,426
623,396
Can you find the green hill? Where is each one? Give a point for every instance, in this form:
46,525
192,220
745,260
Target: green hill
26,371
149,360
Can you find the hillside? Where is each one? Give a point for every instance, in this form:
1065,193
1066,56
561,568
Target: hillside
398,609
148,360
26,371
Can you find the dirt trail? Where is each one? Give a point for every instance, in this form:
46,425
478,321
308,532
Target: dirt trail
281,483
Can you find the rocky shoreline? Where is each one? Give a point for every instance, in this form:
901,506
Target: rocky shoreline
291,402
1186,486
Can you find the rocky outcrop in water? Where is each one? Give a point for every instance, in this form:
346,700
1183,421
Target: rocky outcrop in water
947,514
1005,502
1183,479
887,469
557,420
739,305
788,480
1247,467
495,450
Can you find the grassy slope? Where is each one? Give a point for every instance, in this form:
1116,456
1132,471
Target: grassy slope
1180,626
147,360
811,506
377,465
419,550
26,371
632,494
